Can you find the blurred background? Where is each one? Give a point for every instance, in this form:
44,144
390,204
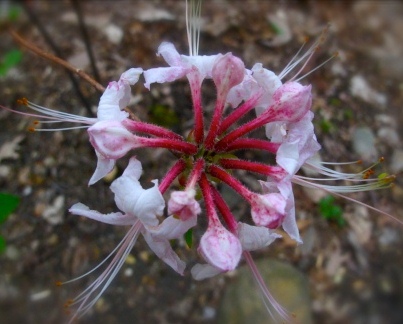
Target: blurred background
349,268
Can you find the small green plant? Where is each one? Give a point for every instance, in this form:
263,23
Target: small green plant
8,203
331,211
163,116
9,60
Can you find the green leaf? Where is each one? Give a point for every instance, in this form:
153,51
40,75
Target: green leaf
8,203
188,236
10,59
2,244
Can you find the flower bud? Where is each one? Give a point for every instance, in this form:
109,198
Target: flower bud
268,210
228,71
111,139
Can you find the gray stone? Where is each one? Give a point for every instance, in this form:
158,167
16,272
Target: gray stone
364,143
396,164
242,303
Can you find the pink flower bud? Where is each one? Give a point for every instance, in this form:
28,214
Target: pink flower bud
183,204
228,71
291,102
268,210
220,248
111,139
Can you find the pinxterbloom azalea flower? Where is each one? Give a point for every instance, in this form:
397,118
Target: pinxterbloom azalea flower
206,158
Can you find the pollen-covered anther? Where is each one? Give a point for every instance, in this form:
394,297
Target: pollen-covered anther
22,101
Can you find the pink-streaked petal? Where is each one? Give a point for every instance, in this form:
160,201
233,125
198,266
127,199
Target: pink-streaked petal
243,91
183,204
162,248
291,102
269,82
228,71
112,218
173,228
111,139
204,271
254,237
220,248
268,210
289,223
104,166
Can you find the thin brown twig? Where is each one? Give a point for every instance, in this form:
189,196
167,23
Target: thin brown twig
56,60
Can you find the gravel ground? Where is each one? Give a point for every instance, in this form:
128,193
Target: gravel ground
355,272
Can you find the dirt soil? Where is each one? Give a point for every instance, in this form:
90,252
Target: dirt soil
355,272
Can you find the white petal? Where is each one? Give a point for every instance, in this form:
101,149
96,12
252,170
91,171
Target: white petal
132,75
104,166
173,228
288,157
162,248
133,169
109,105
255,237
164,74
112,218
145,204
203,63
169,53
204,271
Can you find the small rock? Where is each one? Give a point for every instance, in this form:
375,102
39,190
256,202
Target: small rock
241,302
40,295
388,136
114,33
53,214
364,143
150,13
396,164
361,89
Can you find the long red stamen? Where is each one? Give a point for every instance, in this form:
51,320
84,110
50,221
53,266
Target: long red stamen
150,129
275,172
251,143
224,176
171,175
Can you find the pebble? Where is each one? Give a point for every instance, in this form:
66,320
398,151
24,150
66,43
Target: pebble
114,33
396,164
241,302
360,88
364,144
389,136
53,214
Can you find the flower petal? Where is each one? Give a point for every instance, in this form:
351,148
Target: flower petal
173,228
112,139
162,248
112,218
104,166
204,271
220,248
130,197
255,237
